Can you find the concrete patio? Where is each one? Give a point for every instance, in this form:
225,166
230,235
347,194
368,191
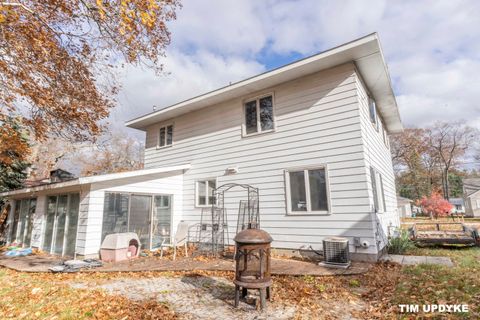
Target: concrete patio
41,263
415,260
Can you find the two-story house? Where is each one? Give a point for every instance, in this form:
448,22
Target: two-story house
312,136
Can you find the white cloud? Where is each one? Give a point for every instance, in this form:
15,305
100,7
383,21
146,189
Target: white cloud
185,76
432,49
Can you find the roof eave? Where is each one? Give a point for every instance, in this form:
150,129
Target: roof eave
95,179
360,49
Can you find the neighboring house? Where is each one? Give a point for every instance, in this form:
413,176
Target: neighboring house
312,136
404,206
471,195
458,205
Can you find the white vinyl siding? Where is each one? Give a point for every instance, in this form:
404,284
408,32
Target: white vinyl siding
317,121
378,156
164,184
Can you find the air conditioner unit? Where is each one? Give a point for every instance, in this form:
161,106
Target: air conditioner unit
336,252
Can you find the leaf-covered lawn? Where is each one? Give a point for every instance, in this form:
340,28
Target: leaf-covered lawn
49,296
374,295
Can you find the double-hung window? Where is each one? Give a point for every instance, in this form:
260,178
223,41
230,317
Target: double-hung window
377,190
307,191
204,192
372,108
259,115
165,137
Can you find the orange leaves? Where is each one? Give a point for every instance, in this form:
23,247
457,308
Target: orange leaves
13,145
50,296
59,57
435,205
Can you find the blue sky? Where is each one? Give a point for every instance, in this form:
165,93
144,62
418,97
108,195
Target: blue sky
432,49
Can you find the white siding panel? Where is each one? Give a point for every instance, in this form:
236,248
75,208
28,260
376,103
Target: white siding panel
317,121
377,155
171,183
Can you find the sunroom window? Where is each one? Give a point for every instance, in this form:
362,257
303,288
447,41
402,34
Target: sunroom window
204,192
23,221
149,216
307,191
259,115
165,136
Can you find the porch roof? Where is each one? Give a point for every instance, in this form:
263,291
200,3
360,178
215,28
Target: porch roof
93,179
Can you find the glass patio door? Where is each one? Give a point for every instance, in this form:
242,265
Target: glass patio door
23,221
31,205
61,224
71,225
161,220
139,219
60,217
49,224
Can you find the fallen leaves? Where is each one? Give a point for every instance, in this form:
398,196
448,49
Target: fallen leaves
27,296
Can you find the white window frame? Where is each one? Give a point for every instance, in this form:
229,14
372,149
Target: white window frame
206,180
387,138
165,126
382,205
309,211
375,119
259,125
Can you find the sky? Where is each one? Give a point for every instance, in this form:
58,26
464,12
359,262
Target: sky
432,49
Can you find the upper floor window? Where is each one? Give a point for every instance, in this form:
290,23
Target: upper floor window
259,115
307,191
165,136
373,112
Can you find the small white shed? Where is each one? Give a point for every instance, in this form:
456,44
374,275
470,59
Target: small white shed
404,206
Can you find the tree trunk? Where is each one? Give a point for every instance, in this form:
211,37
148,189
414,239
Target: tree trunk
447,191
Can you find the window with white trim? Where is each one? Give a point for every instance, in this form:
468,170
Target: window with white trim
259,115
372,108
165,136
204,192
387,139
377,190
307,190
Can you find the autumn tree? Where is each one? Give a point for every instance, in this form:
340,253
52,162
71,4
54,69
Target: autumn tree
114,151
57,58
414,163
450,141
435,205
52,153
13,164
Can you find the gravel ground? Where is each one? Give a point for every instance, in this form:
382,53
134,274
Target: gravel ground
197,297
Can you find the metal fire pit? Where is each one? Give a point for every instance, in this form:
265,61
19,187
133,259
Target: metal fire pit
252,264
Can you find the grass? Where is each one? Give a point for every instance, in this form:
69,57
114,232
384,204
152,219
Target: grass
433,284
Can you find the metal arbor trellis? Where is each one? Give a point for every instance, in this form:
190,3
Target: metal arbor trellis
214,222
